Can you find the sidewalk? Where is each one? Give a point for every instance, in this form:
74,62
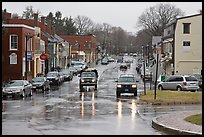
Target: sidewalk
175,124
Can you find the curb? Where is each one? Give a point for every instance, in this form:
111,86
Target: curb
171,130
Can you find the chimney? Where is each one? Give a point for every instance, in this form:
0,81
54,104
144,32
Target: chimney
35,19
6,17
43,22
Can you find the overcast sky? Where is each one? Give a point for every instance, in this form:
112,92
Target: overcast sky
118,14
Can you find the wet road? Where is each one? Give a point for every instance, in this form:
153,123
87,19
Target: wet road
65,111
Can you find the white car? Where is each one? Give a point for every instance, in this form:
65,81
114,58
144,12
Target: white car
21,88
179,83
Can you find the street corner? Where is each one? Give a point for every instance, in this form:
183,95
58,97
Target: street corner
158,123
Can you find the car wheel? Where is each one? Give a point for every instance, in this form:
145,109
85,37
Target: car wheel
96,87
135,94
160,87
179,88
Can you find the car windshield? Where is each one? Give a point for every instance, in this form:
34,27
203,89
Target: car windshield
88,74
14,83
38,79
126,79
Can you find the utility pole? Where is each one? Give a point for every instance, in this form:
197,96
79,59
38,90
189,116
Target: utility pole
144,63
155,87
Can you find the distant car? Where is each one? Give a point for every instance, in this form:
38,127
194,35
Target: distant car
40,83
14,88
126,83
147,75
179,83
104,61
73,70
123,66
110,59
87,79
68,75
53,77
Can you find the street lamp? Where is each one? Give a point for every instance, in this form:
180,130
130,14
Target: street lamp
26,53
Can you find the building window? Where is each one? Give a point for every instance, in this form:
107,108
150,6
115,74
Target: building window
186,43
13,42
186,28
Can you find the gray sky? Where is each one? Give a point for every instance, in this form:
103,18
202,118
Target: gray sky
119,14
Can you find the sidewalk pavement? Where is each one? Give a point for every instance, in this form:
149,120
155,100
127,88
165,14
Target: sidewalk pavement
175,124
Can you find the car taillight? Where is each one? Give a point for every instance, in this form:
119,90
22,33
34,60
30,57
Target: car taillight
184,83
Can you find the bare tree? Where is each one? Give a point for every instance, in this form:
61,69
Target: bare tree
28,13
83,24
155,18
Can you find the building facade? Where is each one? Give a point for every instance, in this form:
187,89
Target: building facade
188,45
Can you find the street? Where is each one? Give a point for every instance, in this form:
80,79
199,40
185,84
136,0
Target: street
64,110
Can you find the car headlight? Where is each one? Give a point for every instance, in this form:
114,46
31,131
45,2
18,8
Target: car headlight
134,86
93,80
82,80
119,86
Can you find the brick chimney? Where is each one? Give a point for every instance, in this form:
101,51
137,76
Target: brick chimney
6,17
35,19
43,22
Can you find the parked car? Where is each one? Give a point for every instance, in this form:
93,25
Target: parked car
73,70
87,79
68,75
62,76
148,74
40,83
14,88
179,83
126,83
123,66
79,64
110,59
104,61
138,67
199,78
53,77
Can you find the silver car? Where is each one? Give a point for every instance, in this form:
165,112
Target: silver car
179,83
22,88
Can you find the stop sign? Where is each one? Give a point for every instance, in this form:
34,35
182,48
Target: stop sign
43,56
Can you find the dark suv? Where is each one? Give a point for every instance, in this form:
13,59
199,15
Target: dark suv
87,78
126,83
